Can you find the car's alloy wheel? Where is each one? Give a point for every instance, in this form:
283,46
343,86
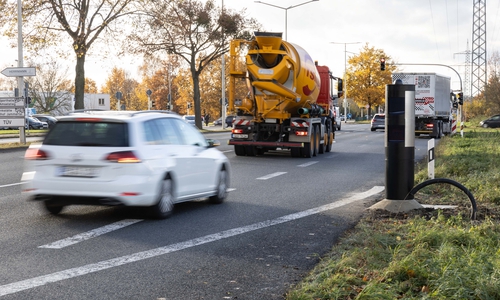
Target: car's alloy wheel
222,185
163,208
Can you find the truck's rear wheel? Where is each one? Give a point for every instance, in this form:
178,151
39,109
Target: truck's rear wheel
295,152
251,150
317,136
329,133
239,150
308,150
322,146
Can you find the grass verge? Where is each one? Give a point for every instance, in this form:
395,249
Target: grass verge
427,253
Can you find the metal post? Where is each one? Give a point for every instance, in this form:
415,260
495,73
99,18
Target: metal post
399,141
223,84
399,149
20,79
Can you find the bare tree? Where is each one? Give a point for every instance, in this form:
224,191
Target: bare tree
50,90
47,21
197,32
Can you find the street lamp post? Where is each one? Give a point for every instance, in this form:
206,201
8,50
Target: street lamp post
286,10
223,80
345,74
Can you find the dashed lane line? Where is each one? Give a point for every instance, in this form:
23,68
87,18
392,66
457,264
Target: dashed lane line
90,234
271,176
307,164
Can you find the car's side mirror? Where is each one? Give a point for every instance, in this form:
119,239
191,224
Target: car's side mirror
213,143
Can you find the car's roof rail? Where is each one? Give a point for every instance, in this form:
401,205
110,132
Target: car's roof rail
119,112
152,111
84,110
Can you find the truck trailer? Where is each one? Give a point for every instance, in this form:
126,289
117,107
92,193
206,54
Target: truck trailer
290,100
433,102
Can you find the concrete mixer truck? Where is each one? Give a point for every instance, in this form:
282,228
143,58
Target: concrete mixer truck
289,101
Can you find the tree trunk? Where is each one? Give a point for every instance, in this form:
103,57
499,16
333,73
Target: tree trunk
196,96
79,81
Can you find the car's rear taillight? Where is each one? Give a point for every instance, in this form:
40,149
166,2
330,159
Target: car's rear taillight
123,157
237,130
301,133
36,154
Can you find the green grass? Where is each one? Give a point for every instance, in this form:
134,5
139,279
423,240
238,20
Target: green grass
425,254
16,133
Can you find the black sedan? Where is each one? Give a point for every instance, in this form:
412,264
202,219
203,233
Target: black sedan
493,122
50,120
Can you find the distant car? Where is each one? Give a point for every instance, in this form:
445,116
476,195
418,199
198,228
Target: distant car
50,120
493,122
218,121
230,120
378,122
342,118
190,119
34,123
148,159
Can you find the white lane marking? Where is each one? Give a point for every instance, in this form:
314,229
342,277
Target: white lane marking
230,189
90,234
11,184
27,284
271,176
308,164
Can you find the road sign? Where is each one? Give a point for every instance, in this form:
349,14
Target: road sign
12,102
12,123
19,72
12,112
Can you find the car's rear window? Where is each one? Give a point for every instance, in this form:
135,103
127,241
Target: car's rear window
90,134
378,117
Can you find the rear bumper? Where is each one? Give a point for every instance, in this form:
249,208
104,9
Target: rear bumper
266,144
125,190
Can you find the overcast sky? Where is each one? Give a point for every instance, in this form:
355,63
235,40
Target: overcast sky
410,31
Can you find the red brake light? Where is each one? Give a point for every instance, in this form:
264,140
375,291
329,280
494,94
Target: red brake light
301,133
123,157
88,119
430,125
238,131
35,154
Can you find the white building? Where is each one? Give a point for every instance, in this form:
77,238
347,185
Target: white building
65,102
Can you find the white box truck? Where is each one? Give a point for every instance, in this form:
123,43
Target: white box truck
433,102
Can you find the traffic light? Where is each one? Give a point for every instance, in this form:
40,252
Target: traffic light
153,102
460,97
382,64
189,104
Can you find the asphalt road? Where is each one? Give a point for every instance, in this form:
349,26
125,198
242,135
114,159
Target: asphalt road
281,216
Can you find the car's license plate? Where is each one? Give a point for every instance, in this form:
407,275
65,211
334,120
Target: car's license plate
240,136
71,171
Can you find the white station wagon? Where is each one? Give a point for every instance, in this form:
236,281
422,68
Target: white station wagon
144,158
